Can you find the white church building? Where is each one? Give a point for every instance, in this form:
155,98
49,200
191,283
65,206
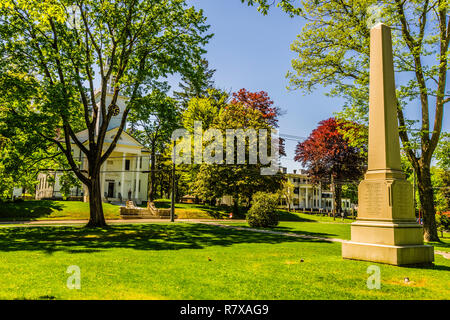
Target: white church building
124,175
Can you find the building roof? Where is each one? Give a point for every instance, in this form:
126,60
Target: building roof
125,138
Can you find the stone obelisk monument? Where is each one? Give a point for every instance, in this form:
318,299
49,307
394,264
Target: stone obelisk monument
386,230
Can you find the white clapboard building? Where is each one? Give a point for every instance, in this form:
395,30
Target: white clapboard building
122,176
309,196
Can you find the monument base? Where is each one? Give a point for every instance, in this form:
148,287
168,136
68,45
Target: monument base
389,254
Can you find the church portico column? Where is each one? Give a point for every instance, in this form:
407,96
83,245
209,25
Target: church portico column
306,198
102,180
320,195
122,180
137,176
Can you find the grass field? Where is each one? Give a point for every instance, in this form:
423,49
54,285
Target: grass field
331,230
74,210
197,261
68,210
51,210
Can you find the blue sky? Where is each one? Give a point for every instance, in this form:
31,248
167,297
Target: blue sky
252,51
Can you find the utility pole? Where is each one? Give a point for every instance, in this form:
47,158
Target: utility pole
172,200
414,190
333,208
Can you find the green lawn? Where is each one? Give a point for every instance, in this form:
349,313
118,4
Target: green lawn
325,227
67,210
309,224
51,210
197,261
195,211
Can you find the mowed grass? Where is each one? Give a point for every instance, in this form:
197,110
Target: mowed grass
307,224
196,261
52,210
325,227
75,210
195,211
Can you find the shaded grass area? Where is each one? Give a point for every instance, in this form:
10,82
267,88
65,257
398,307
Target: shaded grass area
444,245
51,210
310,217
195,261
326,230
307,224
68,210
327,227
195,211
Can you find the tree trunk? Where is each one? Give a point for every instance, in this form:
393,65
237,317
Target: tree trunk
235,206
249,203
96,219
337,198
427,203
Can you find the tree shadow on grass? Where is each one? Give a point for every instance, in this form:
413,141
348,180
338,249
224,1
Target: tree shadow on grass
307,233
442,244
433,266
290,230
28,210
289,216
140,237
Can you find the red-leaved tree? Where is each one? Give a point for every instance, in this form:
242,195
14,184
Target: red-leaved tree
327,153
262,102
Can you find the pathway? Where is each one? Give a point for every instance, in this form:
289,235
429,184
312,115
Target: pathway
36,223
446,255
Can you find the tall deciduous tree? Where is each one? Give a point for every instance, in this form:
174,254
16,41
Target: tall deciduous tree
239,180
63,49
333,51
261,101
327,153
155,116
20,163
195,84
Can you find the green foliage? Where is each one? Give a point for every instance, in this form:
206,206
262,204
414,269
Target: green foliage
196,83
440,179
442,154
440,175
333,52
204,109
287,192
22,156
443,222
263,211
68,181
350,191
53,54
153,120
240,181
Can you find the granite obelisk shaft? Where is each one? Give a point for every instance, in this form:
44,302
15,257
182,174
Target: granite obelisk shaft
386,230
